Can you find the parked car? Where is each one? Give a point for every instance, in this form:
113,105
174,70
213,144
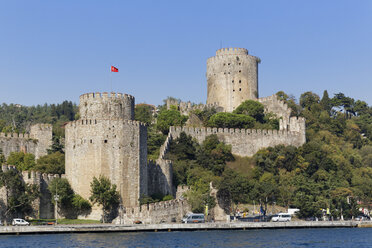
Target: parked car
193,218
362,218
20,222
281,217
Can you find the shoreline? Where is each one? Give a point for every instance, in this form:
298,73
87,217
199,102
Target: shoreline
95,228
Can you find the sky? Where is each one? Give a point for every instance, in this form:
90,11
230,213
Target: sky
51,51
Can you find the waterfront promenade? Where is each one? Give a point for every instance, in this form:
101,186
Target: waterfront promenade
5,230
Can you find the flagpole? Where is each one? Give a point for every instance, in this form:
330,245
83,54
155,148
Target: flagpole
110,80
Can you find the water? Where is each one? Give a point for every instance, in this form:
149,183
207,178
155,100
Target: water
342,237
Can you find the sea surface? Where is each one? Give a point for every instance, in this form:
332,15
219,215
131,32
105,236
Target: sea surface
322,237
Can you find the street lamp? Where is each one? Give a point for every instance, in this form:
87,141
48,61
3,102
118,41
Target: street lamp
56,198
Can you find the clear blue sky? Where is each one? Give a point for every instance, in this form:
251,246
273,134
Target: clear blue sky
52,51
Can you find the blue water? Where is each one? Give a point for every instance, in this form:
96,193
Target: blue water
343,237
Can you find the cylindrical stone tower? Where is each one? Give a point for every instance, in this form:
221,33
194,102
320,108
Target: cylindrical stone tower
106,106
232,77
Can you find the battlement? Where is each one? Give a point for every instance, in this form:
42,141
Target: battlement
30,176
232,51
42,127
245,142
87,122
206,131
105,95
187,107
175,203
106,105
15,135
6,167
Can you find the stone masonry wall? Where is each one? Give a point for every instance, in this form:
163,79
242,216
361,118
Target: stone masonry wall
154,213
280,108
186,107
246,142
37,142
42,206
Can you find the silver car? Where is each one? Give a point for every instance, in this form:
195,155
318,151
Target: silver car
20,222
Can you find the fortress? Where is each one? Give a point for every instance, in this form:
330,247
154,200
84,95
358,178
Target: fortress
106,140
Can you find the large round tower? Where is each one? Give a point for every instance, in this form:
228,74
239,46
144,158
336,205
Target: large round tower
232,77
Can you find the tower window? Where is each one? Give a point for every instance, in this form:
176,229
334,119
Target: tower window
240,63
224,64
105,141
233,81
240,71
91,141
240,89
228,64
240,81
233,90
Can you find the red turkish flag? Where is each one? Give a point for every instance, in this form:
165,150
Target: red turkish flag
114,69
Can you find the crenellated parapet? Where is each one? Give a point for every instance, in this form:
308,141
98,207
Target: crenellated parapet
232,51
6,167
187,107
94,122
246,142
15,135
36,142
106,106
158,212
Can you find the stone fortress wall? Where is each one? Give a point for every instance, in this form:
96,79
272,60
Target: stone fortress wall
36,142
232,78
158,212
246,142
42,207
187,107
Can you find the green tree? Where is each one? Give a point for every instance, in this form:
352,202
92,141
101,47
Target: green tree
23,161
52,163
144,113
19,194
230,120
69,203
81,206
251,108
104,193
167,118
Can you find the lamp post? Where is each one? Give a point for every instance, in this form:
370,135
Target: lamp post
56,198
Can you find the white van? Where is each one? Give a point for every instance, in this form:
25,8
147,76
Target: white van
193,218
281,217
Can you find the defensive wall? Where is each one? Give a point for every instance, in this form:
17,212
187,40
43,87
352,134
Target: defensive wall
36,142
42,206
187,107
158,212
280,108
246,142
